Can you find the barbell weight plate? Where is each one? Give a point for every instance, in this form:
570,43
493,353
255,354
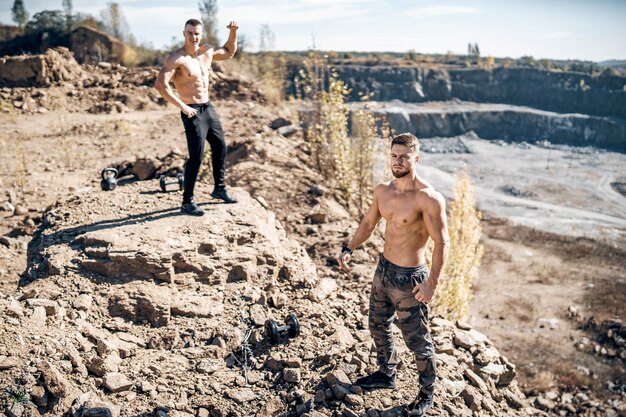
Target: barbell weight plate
271,331
294,325
162,183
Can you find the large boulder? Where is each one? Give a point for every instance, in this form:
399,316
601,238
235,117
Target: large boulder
240,242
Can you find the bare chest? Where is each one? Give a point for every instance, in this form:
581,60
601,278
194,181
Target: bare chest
193,69
400,209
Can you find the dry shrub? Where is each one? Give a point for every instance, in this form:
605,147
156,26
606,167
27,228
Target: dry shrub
544,381
369,134
327,124
362,156
140,56
454,291
206,168
21,169
490,62
344,159
571,379
268,69
271,71
130,58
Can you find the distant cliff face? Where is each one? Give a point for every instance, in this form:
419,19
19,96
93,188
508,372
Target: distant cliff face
561,92
513,104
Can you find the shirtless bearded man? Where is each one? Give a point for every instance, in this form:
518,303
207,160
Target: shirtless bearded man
188,67
402,284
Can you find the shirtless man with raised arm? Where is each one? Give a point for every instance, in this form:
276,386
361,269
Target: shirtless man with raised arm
188,67
402,284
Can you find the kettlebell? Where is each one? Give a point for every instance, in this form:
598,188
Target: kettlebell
109,179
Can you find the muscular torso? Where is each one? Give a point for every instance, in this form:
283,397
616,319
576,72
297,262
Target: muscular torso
406,235
192,76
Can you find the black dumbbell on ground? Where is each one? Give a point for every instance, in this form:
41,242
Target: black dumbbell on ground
273,331
180,180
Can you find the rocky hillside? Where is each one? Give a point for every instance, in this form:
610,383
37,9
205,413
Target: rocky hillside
55,81
130,307
127,308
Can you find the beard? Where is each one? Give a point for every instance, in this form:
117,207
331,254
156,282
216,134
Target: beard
400,174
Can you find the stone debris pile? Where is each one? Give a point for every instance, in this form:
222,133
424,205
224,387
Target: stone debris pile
54,80
124,312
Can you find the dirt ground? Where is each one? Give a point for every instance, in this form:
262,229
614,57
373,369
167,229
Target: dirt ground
528,277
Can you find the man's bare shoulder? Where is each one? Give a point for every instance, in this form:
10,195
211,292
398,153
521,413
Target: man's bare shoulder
432,199
174,57
381,188
205,48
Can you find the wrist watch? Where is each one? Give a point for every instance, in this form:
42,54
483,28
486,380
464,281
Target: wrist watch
346,249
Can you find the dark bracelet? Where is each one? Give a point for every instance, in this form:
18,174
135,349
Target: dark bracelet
346,249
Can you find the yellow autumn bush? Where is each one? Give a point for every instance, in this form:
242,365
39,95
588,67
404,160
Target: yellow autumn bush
454,291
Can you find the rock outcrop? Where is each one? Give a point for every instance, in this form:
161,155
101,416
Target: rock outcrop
55,66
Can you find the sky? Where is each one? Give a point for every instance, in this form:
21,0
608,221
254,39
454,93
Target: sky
592,30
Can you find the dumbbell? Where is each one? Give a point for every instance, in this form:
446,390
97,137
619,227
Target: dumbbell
180,180
273,331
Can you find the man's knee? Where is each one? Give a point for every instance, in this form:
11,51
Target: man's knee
218,146
195,158
379,320
419,342
425,362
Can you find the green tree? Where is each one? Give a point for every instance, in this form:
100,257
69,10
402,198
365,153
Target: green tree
473,50
114,21
46,21
69,18
19,13
208,13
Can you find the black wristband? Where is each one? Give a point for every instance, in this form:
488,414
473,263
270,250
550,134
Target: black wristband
346,249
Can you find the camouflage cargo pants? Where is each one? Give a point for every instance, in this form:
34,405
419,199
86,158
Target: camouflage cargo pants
392,294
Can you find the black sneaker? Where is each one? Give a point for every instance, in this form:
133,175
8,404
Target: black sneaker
224,196
421,405
377,380
191,208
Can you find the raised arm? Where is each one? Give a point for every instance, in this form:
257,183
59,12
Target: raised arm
365,229
164,88
437,226
230,47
